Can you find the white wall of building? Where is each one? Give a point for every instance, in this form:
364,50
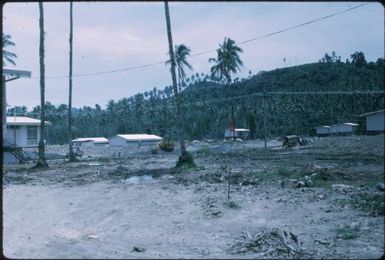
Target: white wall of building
341,128
375,122
322,130
120,141
117,141
21,136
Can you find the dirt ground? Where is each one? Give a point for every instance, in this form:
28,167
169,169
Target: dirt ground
314,201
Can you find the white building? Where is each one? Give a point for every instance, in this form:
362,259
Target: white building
90,140
343,128
374,121
322,130
134,139
237,133
22,132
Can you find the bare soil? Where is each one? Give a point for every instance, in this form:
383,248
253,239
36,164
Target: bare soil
313,201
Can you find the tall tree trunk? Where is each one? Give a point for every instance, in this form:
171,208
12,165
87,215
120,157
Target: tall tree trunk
71,151
41,162
174,83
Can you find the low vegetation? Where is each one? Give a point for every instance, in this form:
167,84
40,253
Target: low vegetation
347,232
374,204
166,145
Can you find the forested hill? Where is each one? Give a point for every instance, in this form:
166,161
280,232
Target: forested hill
208,103
333,76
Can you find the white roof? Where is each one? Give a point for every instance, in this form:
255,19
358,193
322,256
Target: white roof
351,124
91,139
140,137
323,126
242,129
23,120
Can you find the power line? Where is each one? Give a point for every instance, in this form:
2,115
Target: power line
303,24
209,51
105,72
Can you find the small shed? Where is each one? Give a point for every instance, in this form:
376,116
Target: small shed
322,130
90,140
237,133
374,121
343,128
134,139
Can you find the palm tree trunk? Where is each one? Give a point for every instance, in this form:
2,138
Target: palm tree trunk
174,83
41,162
71,151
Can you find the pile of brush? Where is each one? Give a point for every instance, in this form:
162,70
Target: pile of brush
274,243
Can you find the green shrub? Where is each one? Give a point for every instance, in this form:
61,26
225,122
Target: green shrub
348,232
232,204
284,172
374,204
166,145
186,161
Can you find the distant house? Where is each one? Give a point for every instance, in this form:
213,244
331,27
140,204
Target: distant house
22,132
343,128
374,121
90,140
134,139
237,133
322,130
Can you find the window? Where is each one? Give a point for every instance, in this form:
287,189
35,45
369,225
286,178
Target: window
31,135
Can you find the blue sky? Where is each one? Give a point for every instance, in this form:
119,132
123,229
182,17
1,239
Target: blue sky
109,36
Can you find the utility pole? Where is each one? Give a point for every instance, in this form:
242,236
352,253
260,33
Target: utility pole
233,123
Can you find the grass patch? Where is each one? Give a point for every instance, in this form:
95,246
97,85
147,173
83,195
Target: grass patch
374,204
284,172
296,173
186,161
318,181
232,204
348,232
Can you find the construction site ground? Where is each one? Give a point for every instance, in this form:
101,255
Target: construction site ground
321,200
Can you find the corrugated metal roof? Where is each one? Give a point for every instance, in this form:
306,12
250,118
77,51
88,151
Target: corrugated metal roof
23,120
371,113
141,137
92,139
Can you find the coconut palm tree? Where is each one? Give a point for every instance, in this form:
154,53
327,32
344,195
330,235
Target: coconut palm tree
181,54
41,162
71,151
7,55
185,156
227,61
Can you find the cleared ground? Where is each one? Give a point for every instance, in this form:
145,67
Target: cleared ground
139,206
